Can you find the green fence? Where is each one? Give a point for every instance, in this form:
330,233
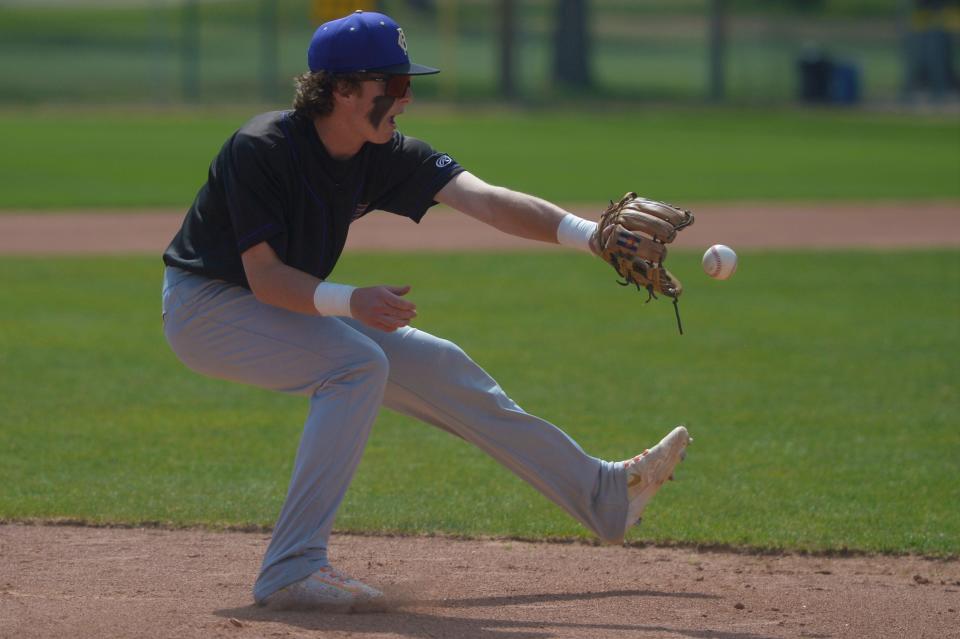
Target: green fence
171,52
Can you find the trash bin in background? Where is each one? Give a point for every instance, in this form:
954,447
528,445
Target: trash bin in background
844,83
822,80
814,68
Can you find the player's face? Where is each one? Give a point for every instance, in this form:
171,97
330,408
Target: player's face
383,98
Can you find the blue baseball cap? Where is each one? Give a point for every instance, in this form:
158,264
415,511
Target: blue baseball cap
360,42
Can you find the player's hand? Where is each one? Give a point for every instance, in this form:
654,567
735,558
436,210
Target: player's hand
382,307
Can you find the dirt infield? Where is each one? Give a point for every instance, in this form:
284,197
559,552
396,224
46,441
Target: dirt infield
746,225
59,581
63,581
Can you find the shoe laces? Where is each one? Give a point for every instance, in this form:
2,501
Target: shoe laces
636,459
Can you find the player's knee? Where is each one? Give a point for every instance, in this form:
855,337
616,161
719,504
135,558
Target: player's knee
449,354
368,367
373,365
460,370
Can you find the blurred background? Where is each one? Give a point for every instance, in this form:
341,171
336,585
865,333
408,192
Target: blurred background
533,52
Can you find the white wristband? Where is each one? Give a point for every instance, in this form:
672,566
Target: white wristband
333,299
576,232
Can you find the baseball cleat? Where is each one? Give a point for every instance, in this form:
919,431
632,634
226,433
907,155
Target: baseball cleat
328,589
647,472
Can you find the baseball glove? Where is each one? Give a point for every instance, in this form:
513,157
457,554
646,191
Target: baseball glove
632,236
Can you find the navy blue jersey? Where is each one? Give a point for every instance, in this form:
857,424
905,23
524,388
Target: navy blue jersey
273,181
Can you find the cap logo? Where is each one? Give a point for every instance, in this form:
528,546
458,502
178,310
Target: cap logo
402,39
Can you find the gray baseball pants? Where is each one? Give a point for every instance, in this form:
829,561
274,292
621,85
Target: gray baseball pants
347,371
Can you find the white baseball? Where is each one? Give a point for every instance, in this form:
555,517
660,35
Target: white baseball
719,262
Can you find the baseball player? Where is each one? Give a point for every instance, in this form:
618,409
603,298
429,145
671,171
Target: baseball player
248,297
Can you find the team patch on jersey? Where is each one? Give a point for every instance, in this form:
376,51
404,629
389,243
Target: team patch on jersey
444,160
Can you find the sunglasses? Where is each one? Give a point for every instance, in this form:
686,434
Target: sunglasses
397,86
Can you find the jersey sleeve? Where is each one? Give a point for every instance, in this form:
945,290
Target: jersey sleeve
412,174
254,193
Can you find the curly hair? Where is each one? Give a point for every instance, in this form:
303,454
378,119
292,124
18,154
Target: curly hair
314,91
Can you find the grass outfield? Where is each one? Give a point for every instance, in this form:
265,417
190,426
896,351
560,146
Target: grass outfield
64,160
821,392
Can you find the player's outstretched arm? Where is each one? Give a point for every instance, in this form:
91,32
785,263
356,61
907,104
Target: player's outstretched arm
515,213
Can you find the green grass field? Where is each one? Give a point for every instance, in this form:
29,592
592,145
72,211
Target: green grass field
123,160
821,389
